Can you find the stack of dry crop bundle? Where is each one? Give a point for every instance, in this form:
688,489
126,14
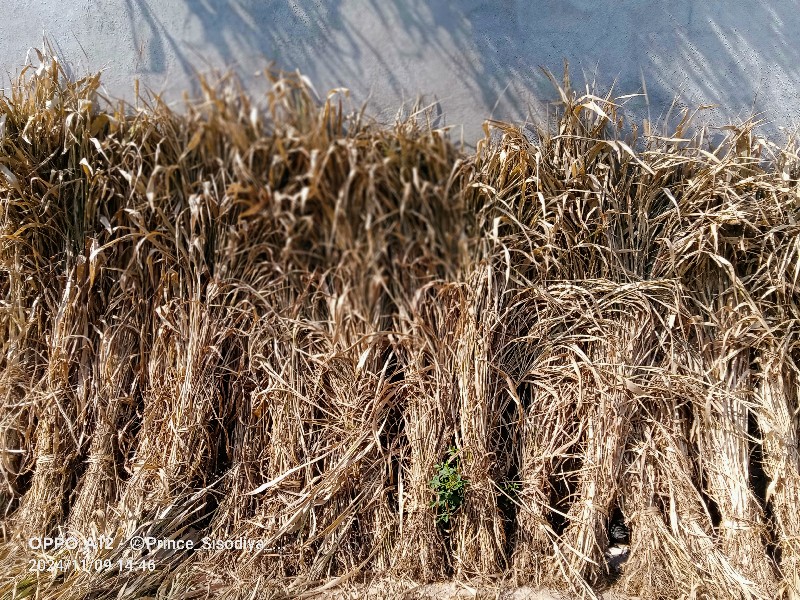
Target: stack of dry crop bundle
380,356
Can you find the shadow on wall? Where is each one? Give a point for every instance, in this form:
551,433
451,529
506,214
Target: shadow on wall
481,58
372,47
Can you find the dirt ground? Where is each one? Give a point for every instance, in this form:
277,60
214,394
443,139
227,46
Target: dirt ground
449,591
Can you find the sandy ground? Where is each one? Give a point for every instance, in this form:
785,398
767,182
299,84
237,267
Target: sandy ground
448,591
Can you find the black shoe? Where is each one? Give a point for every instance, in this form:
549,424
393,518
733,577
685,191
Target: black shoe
618,532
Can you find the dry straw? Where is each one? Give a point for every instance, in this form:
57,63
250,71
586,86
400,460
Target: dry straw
277,321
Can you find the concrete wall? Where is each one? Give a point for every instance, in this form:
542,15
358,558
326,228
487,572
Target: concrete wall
475,58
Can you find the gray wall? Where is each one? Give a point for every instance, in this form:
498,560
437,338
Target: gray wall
477,59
